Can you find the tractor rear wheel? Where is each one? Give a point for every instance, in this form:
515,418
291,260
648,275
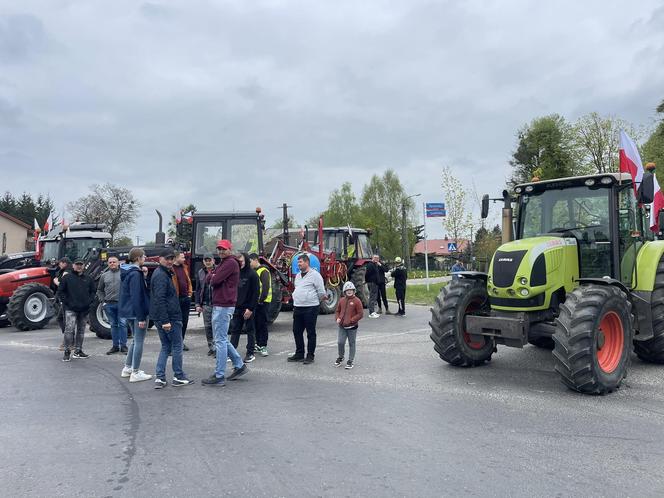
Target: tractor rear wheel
360,283
593,339
274,307
99,323
652,350
448,325
333,296
30,307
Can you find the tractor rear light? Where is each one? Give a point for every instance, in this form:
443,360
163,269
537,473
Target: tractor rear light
518,190
589,182
523,281
524,292
607,180
529,188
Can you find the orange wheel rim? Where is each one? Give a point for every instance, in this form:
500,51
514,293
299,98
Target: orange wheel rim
472,307
610,342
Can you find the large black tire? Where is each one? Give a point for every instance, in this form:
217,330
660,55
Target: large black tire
333,295
542,342
593,339
30,307
360,283
457,300
99,323
274,307
652,350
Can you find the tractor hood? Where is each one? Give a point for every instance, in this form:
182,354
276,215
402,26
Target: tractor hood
525,273
11,280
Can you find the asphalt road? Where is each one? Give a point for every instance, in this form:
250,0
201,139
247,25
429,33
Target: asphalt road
401,423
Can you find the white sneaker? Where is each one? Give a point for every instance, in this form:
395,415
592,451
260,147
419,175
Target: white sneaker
139,376
126,372
374,315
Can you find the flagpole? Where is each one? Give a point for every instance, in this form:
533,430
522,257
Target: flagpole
426,255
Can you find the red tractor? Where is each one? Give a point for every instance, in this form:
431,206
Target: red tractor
343,253
27,293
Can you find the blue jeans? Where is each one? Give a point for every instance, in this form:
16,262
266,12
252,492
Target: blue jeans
221,319
118,325
171,341
135,352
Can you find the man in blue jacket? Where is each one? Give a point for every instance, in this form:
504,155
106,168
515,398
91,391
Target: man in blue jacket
133,307
166,313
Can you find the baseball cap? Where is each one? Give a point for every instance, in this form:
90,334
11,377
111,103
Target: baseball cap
208,255
65,259
224,244
167,253
78,261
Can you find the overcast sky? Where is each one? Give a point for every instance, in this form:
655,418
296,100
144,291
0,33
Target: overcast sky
231,105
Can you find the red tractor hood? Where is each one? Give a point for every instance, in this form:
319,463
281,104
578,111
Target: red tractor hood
10,281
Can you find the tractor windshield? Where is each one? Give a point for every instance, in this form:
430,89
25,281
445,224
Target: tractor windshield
79,248
579,212
206,237
244,236
363,246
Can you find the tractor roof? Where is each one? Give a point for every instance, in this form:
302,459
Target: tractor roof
201,215
77,231
344,229
621,178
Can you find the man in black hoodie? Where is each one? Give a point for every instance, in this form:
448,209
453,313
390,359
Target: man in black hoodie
247,299
76,293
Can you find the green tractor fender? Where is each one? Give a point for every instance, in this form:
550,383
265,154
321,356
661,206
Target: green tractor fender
646,265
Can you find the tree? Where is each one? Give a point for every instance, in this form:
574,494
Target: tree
27,209
545,146
458,221
279,224
653,149
123,241
381,212
114,206
342,207
181,233
486,244
597,141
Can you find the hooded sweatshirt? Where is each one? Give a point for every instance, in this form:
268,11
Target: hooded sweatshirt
76,292
224,281
134,299
247,289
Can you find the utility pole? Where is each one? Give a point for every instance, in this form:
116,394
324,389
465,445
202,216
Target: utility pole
285,220
404,231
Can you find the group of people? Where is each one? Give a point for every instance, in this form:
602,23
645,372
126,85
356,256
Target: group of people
233,297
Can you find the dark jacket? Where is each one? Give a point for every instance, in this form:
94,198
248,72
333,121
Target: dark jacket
203,291
400,276
350,310
187,282
247,289
76,292
371,276
381,270
134,300
224,281
164,301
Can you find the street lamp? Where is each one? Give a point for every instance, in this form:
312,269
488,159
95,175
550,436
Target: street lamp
404,230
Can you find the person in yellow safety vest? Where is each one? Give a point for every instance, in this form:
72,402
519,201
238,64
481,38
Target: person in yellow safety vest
264,300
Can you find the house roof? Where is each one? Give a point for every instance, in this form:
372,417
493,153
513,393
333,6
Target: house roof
15,220
438,247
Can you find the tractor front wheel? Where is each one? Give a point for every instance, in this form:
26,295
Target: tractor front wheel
274,307
652,350
593,339
360,283
457,300
30,307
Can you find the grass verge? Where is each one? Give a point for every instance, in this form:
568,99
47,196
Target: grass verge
418,294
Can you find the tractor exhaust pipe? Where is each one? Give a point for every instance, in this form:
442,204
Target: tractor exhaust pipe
160,236
508,226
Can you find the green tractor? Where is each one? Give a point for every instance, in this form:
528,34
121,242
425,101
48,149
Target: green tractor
584,277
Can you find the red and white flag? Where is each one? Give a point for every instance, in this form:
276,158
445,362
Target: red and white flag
36,226
178,217
188,217
49,223
630,162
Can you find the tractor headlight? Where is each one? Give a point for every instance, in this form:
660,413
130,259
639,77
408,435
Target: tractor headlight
607,180
589,182
523,281
524,292
495,291
529,188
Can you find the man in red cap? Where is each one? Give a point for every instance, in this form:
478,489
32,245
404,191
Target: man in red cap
224,282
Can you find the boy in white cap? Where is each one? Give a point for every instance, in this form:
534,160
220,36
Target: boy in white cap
349,313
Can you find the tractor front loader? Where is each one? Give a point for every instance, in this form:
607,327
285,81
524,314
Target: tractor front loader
584,277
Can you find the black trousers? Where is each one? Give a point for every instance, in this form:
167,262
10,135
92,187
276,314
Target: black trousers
238,322
260,322
304,318
401,299
185,305
382,295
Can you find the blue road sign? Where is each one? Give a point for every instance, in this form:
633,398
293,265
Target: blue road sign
451,247
435,209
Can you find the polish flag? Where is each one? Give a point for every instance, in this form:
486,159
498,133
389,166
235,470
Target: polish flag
36,226
178,217
189,217
630,162
49,223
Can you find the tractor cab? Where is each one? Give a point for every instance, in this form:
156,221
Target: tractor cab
347,243
79,240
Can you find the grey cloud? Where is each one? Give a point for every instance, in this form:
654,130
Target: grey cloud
21,36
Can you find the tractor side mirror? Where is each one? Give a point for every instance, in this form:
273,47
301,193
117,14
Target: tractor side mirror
485,206
646,191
